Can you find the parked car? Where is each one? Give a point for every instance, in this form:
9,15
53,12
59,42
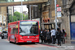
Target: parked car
4,34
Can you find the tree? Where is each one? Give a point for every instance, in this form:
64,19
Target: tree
17,16
25,17
14,18
10,18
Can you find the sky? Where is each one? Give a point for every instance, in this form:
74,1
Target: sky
18,8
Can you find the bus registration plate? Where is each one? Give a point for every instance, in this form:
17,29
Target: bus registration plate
29,41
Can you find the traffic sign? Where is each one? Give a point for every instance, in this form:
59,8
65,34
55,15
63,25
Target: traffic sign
58,14
58,9
57,5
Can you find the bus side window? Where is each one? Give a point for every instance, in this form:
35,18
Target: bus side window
11,30
15,30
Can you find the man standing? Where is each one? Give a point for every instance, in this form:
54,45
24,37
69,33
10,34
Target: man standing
58,36
41,35
44,35
53,35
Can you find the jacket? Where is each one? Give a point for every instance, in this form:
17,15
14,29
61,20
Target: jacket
58,34
48,35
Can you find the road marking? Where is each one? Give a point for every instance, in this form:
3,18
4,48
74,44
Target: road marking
49,45
36,46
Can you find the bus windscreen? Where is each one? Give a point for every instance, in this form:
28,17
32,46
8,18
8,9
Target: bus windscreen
28,28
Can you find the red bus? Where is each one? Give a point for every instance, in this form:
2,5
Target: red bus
24,31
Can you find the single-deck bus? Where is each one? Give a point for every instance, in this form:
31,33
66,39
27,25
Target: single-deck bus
23,31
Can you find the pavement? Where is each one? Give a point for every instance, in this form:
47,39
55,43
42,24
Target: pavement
69,45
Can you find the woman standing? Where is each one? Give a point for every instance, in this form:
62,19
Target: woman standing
63,36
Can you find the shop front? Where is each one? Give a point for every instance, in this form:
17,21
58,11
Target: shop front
50,25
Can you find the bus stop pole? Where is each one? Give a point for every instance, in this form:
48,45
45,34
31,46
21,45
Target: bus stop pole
55,15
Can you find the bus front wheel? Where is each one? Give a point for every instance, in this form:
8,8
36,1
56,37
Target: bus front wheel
15,41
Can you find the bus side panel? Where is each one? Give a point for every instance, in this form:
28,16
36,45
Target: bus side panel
9,31
11,34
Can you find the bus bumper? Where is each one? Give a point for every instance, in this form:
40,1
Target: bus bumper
29,41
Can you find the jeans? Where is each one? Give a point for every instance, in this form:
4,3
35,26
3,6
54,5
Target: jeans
53,39
59,40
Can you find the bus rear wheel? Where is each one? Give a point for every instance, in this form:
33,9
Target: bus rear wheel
15,41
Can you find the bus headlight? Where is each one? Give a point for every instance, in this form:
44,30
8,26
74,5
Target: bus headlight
20,37
37,36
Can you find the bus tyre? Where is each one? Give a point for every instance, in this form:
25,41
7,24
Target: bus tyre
33,43
15,41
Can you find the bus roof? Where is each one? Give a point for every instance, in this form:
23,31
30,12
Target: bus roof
22,20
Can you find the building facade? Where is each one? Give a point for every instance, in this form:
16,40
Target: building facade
66,21
72,20
68,18
3,16
48,15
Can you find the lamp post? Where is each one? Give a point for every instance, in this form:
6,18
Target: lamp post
55,15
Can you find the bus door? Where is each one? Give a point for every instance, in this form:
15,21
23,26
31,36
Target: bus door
15,31
12,35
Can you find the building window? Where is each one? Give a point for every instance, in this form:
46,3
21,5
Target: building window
64,2
46,27
11,31
14,30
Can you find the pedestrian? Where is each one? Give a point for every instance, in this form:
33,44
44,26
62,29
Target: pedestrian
49,29
63,36
41,35
58,36
44,35
48,36
53,35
